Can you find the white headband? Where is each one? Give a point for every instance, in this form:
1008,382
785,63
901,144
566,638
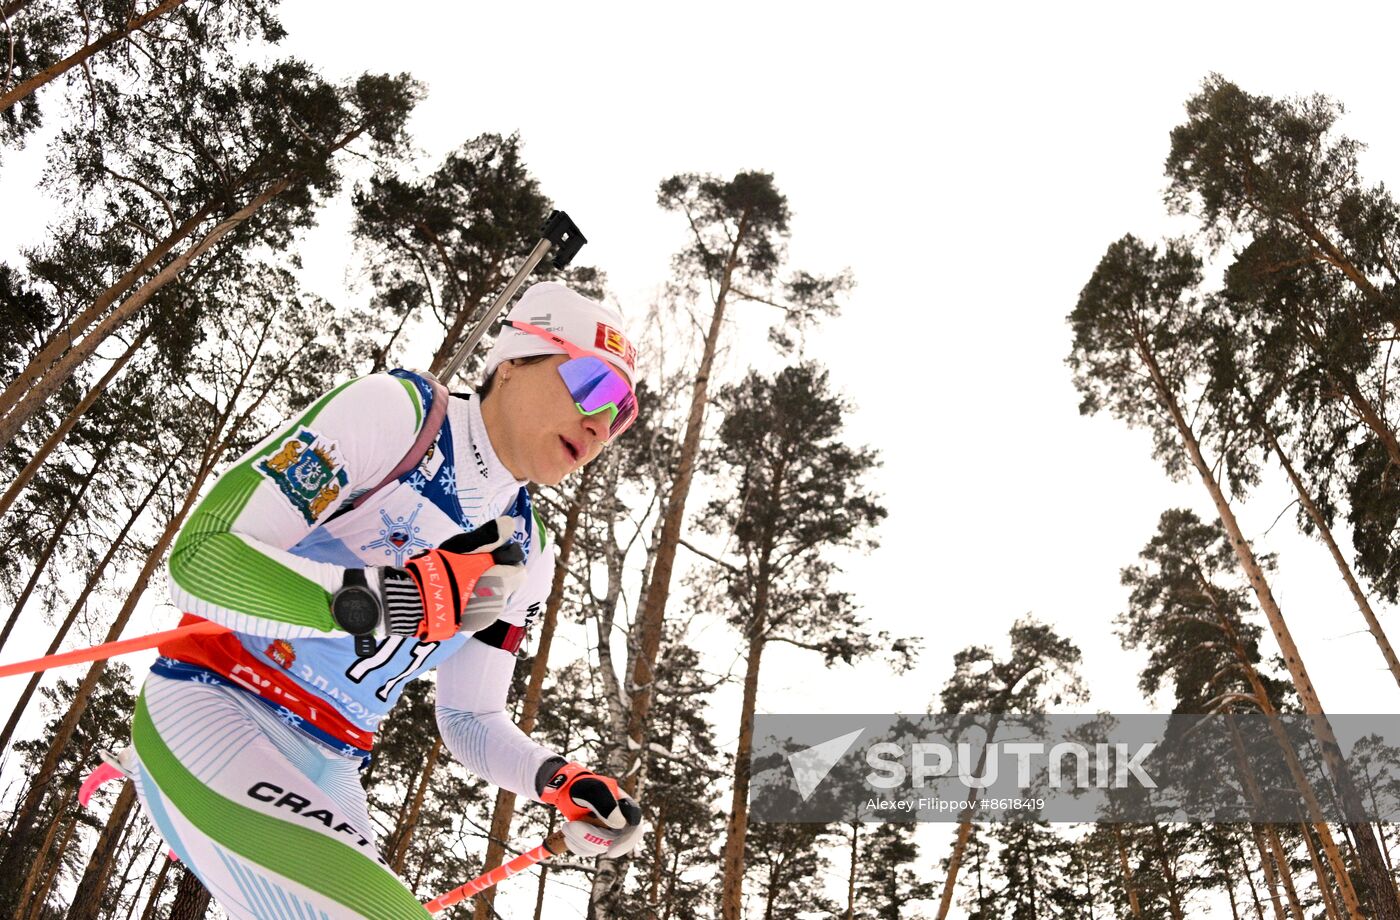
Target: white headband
590,325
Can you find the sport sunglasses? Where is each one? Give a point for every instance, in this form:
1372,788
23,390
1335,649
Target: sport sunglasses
593,383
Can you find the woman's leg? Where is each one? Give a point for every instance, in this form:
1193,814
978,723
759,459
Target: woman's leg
273,827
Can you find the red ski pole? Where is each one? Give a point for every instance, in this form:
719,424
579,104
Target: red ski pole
552,846
110,649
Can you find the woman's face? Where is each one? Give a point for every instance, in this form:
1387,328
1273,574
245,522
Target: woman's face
534,426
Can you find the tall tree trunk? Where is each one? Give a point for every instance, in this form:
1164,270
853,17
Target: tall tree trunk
1295,768
1257,798
544,872
1385,901
38,903
71,419
157,887
1090,902
404,836
55,538
1229,888
137,851
191,898
1285,871
1324,888
1126,869
658,859
78,57
851,877
81,601
62,339
63,354
1033,889
611,874
55,376
530,708
671,882
950,881
36,866
28,808
1267,867
1363,603
776,880
1253,891
145,873
1169,875
651,619
732,878
616,692
98,873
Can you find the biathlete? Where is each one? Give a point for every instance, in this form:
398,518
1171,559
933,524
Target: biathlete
369,540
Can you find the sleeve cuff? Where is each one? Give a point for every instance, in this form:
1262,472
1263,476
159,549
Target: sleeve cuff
546,771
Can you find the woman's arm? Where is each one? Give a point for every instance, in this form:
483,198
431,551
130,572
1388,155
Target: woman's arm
472,686
471,699
229,563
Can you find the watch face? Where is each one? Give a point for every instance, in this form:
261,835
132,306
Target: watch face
355,610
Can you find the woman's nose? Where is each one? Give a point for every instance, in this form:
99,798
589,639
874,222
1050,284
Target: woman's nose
597,425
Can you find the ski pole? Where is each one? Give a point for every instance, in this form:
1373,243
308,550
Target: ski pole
559,234
110,649
553,845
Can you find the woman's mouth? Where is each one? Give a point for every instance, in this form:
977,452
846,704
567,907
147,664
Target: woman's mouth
570,448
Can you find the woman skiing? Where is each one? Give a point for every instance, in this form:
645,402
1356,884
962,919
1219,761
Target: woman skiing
384,532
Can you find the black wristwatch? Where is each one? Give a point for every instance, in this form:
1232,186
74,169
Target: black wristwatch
355,609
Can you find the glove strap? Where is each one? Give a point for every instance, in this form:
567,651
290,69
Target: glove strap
555,792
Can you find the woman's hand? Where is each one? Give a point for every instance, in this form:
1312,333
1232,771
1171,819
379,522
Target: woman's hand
602,819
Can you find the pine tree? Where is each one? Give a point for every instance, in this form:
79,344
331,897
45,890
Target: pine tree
253,156
240,382
788,865
676,865
884,877
447,243
1191,618
1041,670
1034,869
797,493
1137,352
113,43
735,252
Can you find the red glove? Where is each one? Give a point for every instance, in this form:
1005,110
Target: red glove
602,819
461,585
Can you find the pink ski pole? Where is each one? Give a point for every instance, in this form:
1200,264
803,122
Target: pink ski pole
552,846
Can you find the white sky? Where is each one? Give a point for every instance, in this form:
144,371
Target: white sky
970,165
